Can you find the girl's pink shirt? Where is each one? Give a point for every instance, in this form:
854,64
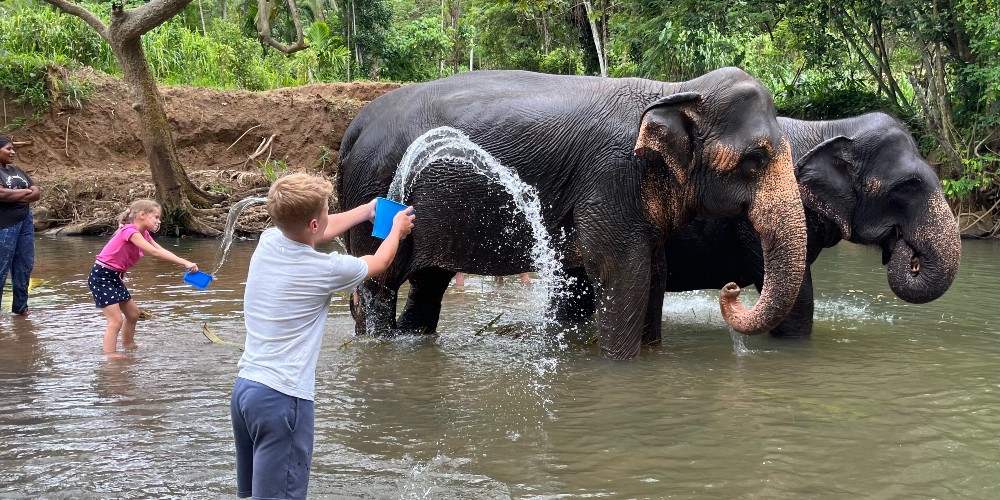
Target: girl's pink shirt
120,253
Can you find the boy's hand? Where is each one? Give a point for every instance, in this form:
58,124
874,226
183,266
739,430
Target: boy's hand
191,267
371,209
404,221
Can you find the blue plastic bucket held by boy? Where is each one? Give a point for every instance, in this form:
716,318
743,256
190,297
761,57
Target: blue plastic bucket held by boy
198,279
385,211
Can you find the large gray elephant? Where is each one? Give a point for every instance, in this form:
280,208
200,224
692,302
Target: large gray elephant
618,164
862,179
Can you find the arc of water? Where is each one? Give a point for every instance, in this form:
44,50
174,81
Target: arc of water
451,145
227,235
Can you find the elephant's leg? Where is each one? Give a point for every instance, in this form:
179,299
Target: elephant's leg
423,303
799,321
375,312
652,332
622,291
575,301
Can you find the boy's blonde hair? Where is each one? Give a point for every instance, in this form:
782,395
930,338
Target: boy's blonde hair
137,206
296,199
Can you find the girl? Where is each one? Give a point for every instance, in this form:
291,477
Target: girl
128,244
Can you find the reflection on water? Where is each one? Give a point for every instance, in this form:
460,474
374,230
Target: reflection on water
887,400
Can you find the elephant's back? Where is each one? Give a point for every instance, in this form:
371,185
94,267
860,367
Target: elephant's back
525,119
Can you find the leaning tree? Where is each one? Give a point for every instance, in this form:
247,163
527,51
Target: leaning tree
179,197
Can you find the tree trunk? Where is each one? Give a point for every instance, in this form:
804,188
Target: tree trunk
174,191
597,37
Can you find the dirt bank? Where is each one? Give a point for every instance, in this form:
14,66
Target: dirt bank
90,163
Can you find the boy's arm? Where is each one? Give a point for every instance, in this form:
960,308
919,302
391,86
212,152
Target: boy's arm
402,224
338,224
160,252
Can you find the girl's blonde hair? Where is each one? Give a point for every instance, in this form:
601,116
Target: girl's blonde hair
137,206
295,199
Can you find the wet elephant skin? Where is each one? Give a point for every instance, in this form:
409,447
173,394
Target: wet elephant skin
618,165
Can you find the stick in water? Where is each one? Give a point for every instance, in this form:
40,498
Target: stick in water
215,338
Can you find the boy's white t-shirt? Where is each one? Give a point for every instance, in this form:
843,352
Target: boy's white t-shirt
285,305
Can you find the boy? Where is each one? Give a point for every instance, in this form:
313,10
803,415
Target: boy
285,305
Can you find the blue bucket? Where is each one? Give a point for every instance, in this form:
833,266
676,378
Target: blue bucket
198,279
385,211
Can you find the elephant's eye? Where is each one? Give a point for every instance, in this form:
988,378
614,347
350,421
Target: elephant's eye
754,162
907,189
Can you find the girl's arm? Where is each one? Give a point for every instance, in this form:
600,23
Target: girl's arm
160,252
338,224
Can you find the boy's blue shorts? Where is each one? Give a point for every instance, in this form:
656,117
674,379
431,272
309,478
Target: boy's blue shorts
274,441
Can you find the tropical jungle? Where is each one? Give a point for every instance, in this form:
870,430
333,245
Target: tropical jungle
201,103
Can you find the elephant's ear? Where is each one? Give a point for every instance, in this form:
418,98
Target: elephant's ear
667,126
826,181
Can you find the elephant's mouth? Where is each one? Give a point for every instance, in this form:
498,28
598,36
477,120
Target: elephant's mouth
893,242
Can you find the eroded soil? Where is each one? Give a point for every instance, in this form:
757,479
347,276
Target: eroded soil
90,163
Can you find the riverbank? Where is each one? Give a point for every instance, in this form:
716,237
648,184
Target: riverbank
90,164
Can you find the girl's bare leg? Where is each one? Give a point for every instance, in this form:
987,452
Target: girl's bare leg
113,314
131,311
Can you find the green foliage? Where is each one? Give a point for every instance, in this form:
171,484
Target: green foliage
177,51
23,76
980,172
38,83
412,53
217,187
33,28
325,157
174,220
820,58
331,55
829,97
272,169
563,61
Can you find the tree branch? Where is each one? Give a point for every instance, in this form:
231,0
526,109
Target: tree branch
264,10
82,13
134,23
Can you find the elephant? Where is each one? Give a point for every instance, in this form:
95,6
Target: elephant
862,179
617,163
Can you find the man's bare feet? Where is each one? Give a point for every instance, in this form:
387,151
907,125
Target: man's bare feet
115,355
130,346
23,314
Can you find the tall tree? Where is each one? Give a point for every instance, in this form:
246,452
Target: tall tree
174,190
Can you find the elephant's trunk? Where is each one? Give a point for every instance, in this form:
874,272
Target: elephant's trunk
778,217
923,267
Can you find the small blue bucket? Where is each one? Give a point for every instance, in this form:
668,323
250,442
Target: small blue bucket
198,279
385,211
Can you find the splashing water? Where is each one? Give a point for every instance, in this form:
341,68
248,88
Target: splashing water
449,145
739,343
227,236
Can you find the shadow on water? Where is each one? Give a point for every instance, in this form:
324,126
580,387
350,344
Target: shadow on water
887,400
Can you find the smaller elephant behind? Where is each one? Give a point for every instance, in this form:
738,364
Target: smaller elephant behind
862,179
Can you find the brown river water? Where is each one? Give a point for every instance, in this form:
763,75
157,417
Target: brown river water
887,400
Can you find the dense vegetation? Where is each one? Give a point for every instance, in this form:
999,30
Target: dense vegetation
933,63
